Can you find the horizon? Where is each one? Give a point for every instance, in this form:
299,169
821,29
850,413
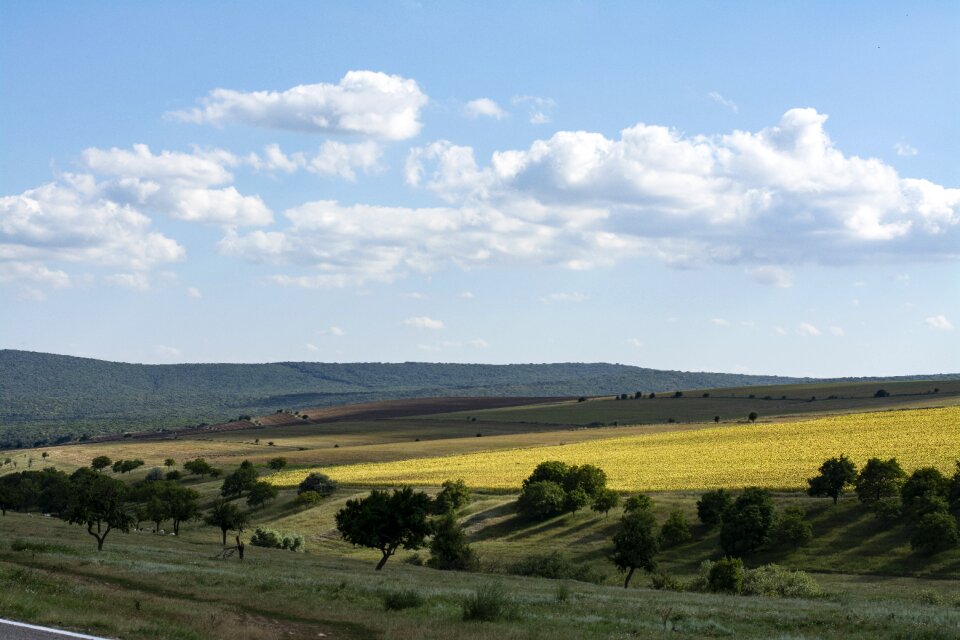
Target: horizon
684,187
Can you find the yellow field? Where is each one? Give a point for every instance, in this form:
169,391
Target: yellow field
776,455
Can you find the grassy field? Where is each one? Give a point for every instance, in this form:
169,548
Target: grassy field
778,454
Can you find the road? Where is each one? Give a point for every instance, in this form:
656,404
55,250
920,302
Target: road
11,630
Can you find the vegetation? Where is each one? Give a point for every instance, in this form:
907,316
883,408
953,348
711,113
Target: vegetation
386,522
635,544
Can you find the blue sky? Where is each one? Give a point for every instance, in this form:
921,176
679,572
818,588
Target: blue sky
749,187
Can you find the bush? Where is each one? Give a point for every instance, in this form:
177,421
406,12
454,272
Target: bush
449,548
173,476
307,499
319,482
726,576
675,530
934,532
773,581
790,528
488,604
747,522
275,540
542,499
663,581
154,475
887,510
711,505
397,600
556,566
639,502
453,496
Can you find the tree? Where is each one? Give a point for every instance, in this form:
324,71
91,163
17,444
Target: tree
934,532
318,482
242,479
549,471
100,463
126,466
169,462
639,502
746,522
386,521
156,511
881,393
925,481
753,416
448,547
453,496
277,463
606,500
198,467
97,501
154,475
260,494
711,505
879,479
181,504
835,475
542,499
790,528
675,530
635,544
228,517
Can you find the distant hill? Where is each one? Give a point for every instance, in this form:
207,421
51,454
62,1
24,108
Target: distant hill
46,398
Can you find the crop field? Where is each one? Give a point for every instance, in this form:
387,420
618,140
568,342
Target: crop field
781,454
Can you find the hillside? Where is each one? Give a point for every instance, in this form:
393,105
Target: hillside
49,398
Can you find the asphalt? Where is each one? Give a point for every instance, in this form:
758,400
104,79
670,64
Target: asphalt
11,630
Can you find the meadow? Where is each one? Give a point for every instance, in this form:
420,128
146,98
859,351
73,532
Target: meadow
775,454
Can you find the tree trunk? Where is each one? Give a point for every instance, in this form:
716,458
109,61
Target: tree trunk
224,531
626,583
176,527
383,560
836,497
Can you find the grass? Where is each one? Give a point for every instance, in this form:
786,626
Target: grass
780,455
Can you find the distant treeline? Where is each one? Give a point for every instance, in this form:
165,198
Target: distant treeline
48,398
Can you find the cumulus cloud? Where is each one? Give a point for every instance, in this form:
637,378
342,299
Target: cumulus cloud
635,342
331,331
719,99
538,108
424,322
940,322
771,275
807,329
312,347
484,107
335,159
365,103
193,292
905,150
167,352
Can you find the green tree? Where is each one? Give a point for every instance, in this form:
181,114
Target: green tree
753,416
169,462
607,499
260,494
791,529
835,475
182,504
228,517
448,546
639,502
277,463
198,467
542,499
925,481
453,496
321,483
934,532
386,521
879,479
711,505
675,530
99,502
747,522
635,544
100,463
242,479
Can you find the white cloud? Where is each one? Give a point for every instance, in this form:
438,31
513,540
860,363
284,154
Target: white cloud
424,322
484,107
771,275
330,331
719,99
780,331
807,329
635,342
33,273
343,160
478,343
538,108
939,321
137,281
467,295
905,150
193,292
312,347
167,352
720,322
574,296
363,102
836,331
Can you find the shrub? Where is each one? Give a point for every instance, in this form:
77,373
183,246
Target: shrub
887,510
563,593
397,600
934,532
319,482
154,475
307,499
542,499
711,505
663,581
488,604
881,393
675,530
774,581
790,528
639,502
275,540
726,576
173,475
453,496
449,548
747,522
556,566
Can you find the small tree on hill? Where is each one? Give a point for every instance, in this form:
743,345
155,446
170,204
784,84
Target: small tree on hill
100,463
99,502
448,546
243,479
934,532
453,496
169,462
277,463
635,544
835,475
711,505
926,481
320,483
260,494
181,504
879,479
386,521
198,467
753,416
675,530
605,501
639,502
747,522
542,499
228,517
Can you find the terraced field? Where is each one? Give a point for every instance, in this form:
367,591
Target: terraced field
778,454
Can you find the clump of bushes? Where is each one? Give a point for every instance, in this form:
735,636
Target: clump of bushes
557,566
488,604
398,600
307,499
275,540
321,483
773,581
555,487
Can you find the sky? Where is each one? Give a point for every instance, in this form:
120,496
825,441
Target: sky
742,187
